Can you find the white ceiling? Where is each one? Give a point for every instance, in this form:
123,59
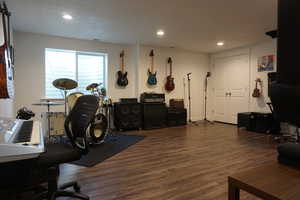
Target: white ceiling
189,24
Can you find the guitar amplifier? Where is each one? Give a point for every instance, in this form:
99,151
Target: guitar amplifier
128,100
152,98
177,103
154,115
176,117
127,116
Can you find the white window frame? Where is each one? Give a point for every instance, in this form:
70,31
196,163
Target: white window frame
78,53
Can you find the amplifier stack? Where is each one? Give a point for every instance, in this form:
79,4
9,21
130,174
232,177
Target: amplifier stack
127,116
151,113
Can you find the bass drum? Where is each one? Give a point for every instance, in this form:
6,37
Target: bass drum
98,129
72,98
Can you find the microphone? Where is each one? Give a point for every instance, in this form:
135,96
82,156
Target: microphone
208,74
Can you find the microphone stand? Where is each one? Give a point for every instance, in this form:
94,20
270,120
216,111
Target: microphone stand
205,97
189,96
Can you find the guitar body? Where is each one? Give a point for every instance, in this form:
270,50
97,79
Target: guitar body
3,74
256,93
122,79
170,85
6,73
151,78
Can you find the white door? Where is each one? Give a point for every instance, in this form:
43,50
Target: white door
219,89
231,87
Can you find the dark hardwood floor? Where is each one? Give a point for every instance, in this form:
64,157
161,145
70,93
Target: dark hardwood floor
191,162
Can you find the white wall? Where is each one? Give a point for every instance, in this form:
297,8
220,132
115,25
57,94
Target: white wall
30,69
183,62
255,52
30,65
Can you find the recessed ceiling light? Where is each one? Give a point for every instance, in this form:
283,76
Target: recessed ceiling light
160,33
220,43
67,16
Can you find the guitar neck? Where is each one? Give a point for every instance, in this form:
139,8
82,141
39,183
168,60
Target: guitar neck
152,64
122,64
171,69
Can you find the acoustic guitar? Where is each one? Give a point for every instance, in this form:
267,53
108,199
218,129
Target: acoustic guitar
122,75
170,85
256,92
151,74
6,71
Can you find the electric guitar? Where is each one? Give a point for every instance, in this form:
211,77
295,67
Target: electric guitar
170,85
122,75
256,92
151,74
6,70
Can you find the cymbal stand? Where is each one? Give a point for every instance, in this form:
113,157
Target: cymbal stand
65,93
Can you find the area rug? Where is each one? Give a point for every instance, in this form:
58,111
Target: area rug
114,144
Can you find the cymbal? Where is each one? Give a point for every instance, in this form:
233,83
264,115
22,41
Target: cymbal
48,103
65,84
93,86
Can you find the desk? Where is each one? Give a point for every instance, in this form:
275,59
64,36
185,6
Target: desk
269,182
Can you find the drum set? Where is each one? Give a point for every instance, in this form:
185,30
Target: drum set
101,124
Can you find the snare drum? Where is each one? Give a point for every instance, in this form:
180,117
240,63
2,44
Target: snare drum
72,98
56,122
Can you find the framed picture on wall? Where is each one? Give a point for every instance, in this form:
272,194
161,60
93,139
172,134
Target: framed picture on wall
266,63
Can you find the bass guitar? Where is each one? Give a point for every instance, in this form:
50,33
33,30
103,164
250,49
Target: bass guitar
122,75
151,74
6,71
170,85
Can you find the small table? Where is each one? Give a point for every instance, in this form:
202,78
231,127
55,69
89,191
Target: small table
269,182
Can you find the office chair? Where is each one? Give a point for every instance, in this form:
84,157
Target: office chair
76,125
286,107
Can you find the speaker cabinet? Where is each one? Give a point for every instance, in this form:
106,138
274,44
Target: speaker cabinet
154,115
127,116
176,117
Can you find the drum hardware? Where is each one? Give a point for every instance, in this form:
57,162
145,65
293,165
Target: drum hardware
100,127
65,84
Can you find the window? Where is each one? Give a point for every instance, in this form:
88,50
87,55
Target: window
83,67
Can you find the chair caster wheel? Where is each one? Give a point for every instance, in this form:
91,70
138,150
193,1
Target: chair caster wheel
76,188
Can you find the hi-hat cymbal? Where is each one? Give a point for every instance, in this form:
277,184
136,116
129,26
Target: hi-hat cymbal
93,86
65,84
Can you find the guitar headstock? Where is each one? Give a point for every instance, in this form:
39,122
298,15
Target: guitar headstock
170,60
122,54
151,53
5,10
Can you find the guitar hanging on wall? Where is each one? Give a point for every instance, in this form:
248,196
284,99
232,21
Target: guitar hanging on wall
256,92
122,75
6,69
151,74
170,85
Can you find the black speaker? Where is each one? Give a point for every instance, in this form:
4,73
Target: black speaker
154,115
272,79
176,117
127,116
288,42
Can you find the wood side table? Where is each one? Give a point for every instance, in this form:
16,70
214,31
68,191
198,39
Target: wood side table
269,182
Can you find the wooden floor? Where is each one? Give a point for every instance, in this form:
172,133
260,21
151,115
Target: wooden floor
183,163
